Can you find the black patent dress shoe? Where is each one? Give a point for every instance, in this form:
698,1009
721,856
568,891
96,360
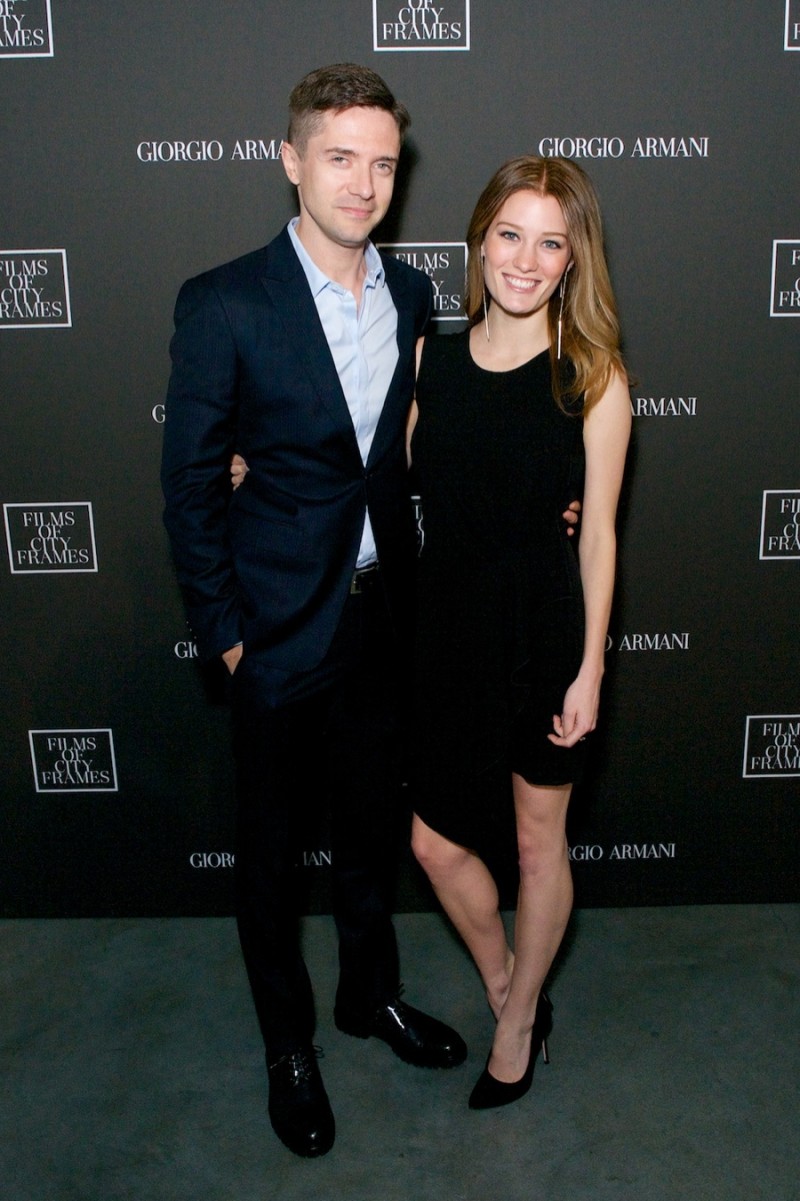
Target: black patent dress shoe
490,1093
299,1108
413,1036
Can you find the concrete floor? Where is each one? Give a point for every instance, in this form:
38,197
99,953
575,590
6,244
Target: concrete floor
131,1068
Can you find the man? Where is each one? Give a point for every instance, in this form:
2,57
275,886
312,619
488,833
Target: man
301,357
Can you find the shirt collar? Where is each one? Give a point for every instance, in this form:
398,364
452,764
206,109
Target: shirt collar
318,280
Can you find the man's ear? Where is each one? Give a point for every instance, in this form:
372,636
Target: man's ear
290,159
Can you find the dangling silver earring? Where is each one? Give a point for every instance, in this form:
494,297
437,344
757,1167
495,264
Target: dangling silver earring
485,306
561,291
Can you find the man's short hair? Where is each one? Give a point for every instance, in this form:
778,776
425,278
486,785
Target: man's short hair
333,89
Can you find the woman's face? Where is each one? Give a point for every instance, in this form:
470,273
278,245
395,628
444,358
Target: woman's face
526,251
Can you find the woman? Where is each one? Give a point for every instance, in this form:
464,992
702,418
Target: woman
511,630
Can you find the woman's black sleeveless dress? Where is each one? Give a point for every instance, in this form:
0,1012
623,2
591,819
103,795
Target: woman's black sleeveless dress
500,612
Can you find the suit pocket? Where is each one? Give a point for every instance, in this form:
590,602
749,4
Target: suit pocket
266,541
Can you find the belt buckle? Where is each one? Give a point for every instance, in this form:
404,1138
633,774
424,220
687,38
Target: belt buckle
360,577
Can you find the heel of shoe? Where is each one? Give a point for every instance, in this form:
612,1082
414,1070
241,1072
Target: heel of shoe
358,1028
543,1024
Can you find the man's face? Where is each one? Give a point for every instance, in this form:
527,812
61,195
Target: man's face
344,177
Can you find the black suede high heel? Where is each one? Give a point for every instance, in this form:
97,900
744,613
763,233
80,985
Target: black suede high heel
490,1093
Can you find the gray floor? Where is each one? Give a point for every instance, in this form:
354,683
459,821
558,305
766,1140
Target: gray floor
131,1068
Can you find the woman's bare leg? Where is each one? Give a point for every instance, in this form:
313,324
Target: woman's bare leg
543,909
468,894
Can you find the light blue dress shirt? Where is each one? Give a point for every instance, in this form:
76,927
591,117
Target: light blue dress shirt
363,343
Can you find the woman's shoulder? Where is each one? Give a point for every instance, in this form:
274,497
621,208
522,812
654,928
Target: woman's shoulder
444,348
441,367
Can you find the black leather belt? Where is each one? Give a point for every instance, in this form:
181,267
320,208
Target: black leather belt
362,578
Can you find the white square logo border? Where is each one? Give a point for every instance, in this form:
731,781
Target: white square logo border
418,6
48,53
112,786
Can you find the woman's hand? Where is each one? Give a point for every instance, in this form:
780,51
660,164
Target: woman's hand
579,715
239,470
570,516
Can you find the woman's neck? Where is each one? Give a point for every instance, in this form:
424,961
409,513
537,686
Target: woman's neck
511,340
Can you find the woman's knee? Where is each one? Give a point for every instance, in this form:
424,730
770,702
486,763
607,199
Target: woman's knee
541,825
540,848
436,854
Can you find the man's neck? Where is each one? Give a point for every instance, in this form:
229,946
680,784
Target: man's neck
345,265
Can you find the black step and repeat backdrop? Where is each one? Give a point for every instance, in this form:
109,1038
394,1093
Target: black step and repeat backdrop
141,146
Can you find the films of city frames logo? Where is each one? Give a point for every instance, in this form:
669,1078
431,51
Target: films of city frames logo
34,289
792,32
772,746
420,24
780,524
446,265
785,299
73,760
26,29
50,537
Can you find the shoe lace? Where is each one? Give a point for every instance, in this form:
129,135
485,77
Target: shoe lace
299,1062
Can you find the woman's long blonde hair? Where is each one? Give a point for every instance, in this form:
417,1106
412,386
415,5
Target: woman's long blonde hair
590,337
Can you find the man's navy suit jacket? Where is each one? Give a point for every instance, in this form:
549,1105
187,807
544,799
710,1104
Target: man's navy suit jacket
270,565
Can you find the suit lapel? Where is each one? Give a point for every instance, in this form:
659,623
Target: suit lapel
287,287
397,403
